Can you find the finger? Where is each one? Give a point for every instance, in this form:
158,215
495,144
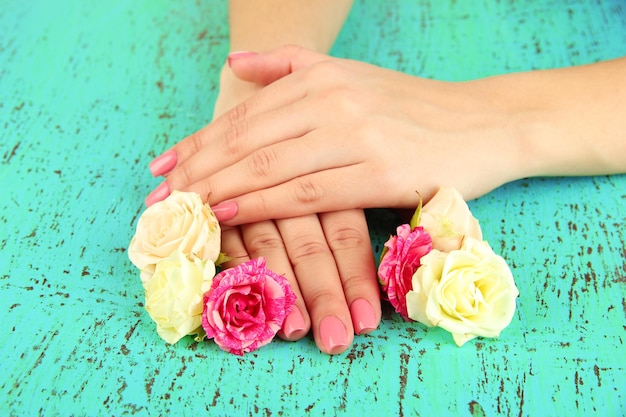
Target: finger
264,239
348,237
320,192
270,166
233,247
268,67
228,128
355,186
244,137
319,282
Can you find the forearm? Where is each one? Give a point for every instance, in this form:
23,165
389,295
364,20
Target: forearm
267,24
572,120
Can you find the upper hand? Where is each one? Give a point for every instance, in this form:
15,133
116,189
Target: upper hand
337,134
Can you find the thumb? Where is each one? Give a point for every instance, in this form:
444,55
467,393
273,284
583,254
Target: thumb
265,68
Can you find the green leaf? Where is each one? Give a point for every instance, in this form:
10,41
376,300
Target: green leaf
223,258
415,220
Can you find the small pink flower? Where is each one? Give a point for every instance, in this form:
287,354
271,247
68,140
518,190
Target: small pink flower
400,261
246,306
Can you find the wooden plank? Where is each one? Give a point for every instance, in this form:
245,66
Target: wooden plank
91,91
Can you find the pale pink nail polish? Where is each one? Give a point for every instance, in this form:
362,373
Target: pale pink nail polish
363,316
225,211
294,323
159,193
333,334
238,55
163,164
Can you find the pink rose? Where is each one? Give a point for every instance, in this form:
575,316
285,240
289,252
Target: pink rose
399,262
246,306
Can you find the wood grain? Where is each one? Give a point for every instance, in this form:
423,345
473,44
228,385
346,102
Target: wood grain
91,91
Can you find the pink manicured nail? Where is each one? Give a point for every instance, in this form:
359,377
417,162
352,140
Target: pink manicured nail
363,316
225,211
159,193
238,55
163,164
333,334
294,323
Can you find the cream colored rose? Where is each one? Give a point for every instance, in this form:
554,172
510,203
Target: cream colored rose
469,292
180,222
174,295
447,218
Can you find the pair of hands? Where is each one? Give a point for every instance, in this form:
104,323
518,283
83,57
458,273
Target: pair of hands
309,134
327,258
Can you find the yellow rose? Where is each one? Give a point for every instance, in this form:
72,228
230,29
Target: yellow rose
174,295
469,292
447,219
180,222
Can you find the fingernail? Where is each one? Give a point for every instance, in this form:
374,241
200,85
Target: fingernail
159,193
333,334
238,55
294,323
163,164
363,316
225,211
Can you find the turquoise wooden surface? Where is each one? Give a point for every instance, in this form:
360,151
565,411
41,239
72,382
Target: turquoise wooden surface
91,91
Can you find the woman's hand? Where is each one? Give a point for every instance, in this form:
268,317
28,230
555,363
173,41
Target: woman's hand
327,259
336,134
329,263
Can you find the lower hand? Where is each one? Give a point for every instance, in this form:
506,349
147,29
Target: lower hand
329,263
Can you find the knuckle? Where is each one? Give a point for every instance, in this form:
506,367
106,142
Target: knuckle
292,49
306,249
186,175
237,129
326,70
238,113
334,86
196,144
262,162
264,242
356,281
345,237
345,101
307,192
348,101
369,132
322,296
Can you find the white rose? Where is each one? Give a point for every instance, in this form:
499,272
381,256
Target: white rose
469,292
180,222
174,295
447,219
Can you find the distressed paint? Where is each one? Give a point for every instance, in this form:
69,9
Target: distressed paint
91,91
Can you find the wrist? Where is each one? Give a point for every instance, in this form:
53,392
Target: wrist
525,115
498,140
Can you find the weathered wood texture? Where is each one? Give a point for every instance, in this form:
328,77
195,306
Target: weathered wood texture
91,91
